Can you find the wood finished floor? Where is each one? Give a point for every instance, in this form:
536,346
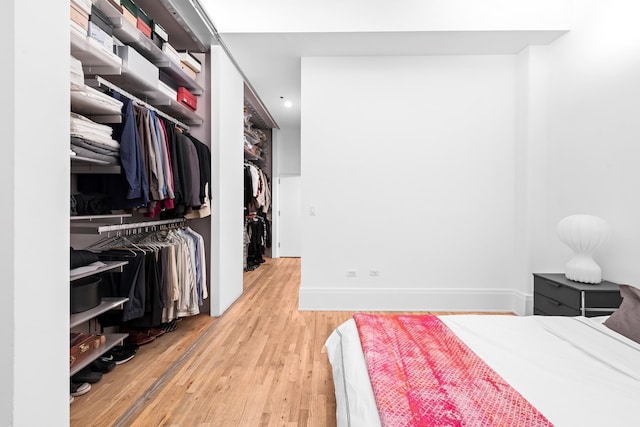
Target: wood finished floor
262,363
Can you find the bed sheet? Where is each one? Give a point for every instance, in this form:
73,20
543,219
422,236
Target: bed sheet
574,370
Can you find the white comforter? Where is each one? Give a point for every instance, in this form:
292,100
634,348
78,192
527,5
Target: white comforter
574,370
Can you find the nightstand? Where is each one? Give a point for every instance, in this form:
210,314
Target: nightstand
555,295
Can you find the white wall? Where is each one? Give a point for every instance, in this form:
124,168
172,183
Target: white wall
7,175
593,135
288,152
227,210
409,163
34,259
532,139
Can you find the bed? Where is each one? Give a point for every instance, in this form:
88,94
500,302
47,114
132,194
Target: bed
575,371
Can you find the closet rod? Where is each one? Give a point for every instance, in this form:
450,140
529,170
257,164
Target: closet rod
133,225
103,82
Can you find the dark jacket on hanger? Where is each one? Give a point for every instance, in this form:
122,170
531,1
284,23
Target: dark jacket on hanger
204,160
130,188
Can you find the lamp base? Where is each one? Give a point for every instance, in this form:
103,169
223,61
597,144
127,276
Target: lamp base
583,269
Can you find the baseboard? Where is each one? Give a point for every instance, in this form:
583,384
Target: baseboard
393,299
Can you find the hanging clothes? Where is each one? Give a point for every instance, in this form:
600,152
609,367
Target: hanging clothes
165,172
257,189
165,278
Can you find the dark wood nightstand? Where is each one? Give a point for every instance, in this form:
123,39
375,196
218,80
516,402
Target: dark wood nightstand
555,295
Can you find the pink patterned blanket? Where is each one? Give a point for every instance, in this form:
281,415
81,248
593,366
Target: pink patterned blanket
423,375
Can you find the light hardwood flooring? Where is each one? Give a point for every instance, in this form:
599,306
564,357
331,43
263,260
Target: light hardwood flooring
262,363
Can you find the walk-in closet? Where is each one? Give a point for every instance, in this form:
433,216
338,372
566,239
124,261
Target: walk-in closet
258,194
159,113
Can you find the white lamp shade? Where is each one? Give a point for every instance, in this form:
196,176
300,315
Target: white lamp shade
583,234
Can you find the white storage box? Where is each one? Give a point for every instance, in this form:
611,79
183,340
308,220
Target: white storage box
99,35
190,61
171,53
164,88
137,66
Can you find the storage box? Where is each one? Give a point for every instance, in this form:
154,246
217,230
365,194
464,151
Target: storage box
80,17
145,18
82,5
137,64
85,293
167,90
157,40
188,70
98,34
171,53
187,98
143,27
101,20
160,31
128,16
189,60
130,6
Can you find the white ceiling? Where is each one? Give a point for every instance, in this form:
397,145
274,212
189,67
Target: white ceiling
271,61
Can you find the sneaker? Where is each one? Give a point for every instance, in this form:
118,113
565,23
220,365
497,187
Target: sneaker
122,354
103,364
78,389
86,375
70,399
107,357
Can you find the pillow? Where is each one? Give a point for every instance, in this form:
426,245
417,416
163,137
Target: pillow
626,319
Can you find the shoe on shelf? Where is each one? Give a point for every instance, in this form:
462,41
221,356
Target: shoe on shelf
87,375
78,389
130,347
70,399
103,365
121,354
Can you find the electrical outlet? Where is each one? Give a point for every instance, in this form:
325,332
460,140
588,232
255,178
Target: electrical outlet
352,273
374,272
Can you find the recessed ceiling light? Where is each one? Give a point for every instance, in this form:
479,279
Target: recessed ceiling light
288,104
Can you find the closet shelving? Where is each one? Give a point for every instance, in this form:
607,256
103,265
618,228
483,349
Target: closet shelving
128,34
106,304
94,58
86,166
92,109
100,82
110,265
158,102
101,218
140,86
112,340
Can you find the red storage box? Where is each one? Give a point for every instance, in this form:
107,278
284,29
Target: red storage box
187,98
142,26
